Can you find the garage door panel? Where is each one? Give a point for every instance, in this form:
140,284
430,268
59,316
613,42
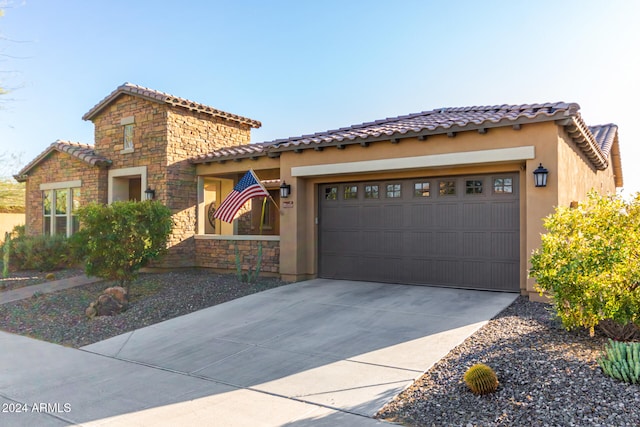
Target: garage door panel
331,217
446,215
372,242
420,243
475,245
342,241
505,245
446,243
372,216
393,215
469,239
504,276
476,273
476,215
504,214
393,242
421,216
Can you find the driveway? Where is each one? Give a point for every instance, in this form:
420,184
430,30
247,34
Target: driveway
320,352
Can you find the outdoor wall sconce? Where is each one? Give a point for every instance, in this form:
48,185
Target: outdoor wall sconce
285,190
540,176
149,194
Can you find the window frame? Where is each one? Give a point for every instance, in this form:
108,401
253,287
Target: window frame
71,200
420,192
397,188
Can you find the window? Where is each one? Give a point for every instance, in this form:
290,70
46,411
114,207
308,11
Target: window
421,189
350,192
503,185
59,207
331,193
128,137
394,190
474,186
447,188
371,191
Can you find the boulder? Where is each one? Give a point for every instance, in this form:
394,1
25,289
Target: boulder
112,301
119,293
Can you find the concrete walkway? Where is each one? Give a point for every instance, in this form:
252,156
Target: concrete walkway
45,288
317,353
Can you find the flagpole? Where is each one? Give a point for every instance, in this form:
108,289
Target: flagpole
269,194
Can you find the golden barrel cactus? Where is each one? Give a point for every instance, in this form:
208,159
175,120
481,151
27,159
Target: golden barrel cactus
481,379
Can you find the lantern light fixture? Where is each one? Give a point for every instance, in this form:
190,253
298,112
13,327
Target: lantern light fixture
540,176
149,194
285,190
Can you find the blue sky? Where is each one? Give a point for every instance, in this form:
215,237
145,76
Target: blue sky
302,67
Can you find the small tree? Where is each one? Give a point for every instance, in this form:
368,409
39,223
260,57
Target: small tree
120,238
589,262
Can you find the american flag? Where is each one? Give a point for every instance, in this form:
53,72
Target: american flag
247,188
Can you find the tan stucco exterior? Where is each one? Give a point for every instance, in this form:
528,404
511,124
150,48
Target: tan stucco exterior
571,177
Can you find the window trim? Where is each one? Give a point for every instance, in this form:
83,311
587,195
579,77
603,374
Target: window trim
51,188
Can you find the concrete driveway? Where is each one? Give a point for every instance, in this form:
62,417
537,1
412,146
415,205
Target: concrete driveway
320,352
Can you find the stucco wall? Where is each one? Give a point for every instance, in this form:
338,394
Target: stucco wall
8,221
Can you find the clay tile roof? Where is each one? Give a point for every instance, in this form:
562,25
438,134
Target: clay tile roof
440,120
236,152
604,135
80,151
595,142
162,97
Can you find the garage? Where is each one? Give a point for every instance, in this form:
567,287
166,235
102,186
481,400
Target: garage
460,231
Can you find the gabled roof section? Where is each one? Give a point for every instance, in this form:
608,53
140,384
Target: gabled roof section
165,98
80,151
439,121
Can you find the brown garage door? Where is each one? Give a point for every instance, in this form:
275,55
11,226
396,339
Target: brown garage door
450,231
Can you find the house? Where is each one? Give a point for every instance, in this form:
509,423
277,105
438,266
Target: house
444,197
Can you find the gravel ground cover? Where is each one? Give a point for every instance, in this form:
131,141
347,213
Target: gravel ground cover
60,317
548,377
19,279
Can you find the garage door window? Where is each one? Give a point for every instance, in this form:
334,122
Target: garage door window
371,192
447,188
503,185
350,192
394,190
331,193
474,186
421,189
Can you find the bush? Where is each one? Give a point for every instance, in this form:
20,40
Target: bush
120,238
589,262
43,253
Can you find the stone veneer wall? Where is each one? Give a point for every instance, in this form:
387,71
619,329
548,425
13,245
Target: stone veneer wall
191,133
164,138
59,167
220,254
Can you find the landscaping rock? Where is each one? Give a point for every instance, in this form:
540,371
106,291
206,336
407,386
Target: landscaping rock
113,301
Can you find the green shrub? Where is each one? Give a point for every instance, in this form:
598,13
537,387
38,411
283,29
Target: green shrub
588,262
621,361
120,238
43,253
